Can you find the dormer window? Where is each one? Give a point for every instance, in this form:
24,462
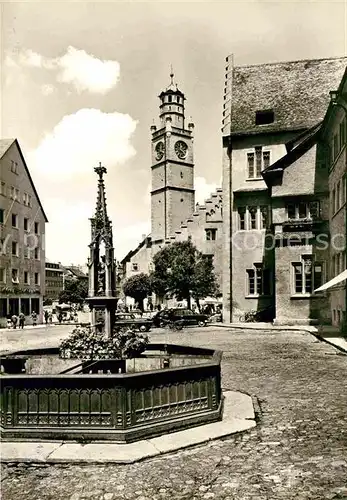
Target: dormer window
264,117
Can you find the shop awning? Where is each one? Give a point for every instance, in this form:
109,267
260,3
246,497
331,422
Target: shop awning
335,281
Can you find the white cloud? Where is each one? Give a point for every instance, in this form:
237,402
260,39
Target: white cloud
203,189
63,170
84,71
68,230
79,141
87,72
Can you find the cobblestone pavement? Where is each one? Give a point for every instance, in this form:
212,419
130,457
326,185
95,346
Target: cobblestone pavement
297,451
33,337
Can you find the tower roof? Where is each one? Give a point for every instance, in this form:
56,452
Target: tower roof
172,88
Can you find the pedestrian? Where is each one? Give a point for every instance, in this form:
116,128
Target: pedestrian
50,317
9,322
46,317
75,317
14,321
34,318
60,317
21,320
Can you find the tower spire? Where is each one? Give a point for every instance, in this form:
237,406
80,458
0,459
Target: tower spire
102,225
173,85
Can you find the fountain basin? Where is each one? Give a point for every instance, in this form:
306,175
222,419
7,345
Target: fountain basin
166,393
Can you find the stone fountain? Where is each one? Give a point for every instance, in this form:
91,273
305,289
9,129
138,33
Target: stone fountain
102,298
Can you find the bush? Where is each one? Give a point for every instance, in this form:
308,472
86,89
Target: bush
87,343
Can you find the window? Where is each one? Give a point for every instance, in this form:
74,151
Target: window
2,275
209,258
26,278
257,161
338,196
26,224
2,188
343,190
27,252
264,117
335,146
36,278
36,228
14,220
135,266
252,217
333,201
14,193
258,280
250,161
308,275
27,199
15,276
266,159
36,253
2,215
181,175
170,98
14,167
211,234
303,210
264,217
242,219
342,138
15,248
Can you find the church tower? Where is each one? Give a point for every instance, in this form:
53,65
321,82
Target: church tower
172,195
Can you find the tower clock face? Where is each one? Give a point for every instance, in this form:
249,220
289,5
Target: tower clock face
181,149
159,150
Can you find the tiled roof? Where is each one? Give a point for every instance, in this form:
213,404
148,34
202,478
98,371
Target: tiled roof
76,271
5,144
297,92
293,154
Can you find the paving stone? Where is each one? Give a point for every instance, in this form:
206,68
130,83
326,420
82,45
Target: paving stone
302,396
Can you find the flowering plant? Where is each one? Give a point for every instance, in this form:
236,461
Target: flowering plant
87,343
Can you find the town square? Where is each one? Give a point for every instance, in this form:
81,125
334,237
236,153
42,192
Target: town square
173,251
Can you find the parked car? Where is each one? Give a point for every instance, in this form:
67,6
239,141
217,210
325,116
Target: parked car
129,319
185,317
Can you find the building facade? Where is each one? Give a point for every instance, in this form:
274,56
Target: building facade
174,214
334,137
22,234
269,116
54,281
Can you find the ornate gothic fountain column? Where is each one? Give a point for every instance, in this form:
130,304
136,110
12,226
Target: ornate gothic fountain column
102,279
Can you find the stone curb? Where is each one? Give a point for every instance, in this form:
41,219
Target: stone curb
238,416
333,341
265,326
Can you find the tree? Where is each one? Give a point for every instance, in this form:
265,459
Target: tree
182,271
138,287
204,279
75,292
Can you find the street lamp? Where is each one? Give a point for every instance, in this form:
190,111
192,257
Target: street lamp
335,99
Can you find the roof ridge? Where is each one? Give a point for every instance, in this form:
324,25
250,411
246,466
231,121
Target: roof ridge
291,61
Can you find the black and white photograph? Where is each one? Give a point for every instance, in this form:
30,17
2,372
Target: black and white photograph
173,272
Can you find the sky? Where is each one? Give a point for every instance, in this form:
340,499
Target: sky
80,85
